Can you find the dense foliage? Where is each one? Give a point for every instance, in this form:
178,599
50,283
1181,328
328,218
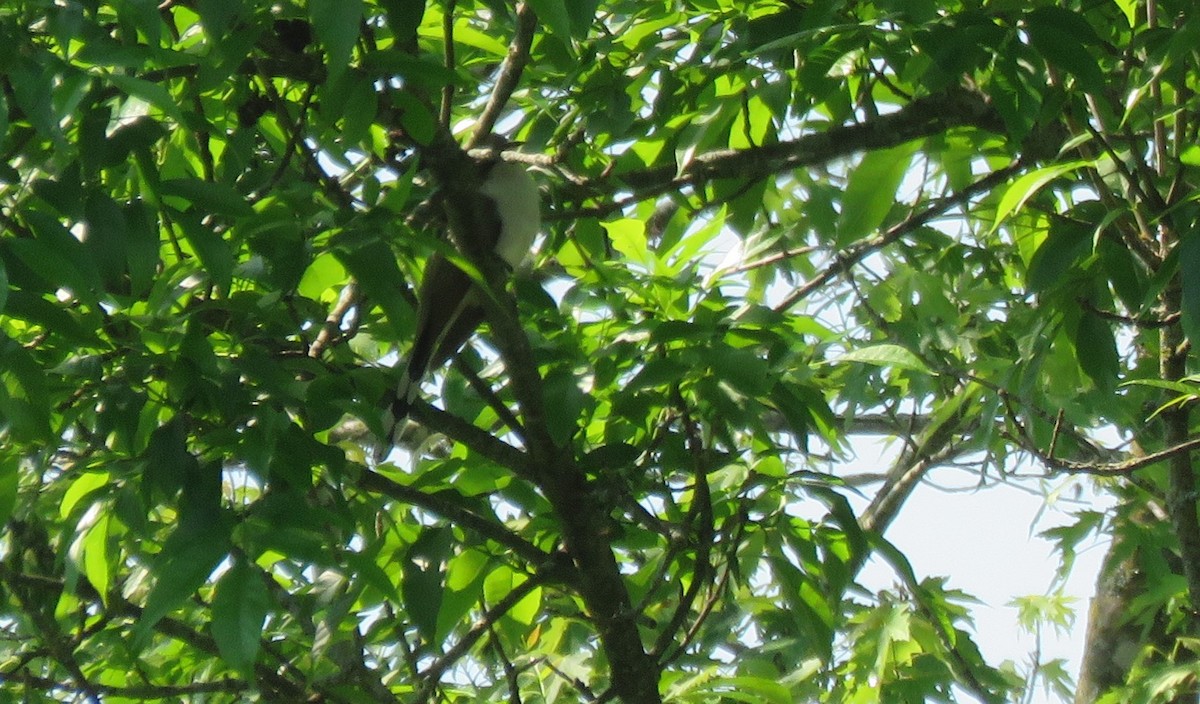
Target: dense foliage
772,227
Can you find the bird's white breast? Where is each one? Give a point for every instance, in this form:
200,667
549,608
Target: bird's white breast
519,208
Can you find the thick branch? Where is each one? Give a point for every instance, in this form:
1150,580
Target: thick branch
922,117
1181,495
581,514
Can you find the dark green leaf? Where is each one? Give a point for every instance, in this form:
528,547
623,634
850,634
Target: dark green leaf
583,13
404,17
564,403
424,572
58,257
32,92
374,266
1065,245
207,197
212,249
1096,349
742,369
336,23
187,559
217,15
9,478
239,609
64,194
105,239
141,247
553,14
1189,279
24,399
419,123
1124,273
1063,37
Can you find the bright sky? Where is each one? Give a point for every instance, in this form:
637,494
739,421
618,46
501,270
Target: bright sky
984,540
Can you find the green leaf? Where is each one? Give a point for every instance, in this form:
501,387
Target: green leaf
10,477
207,197
374,266
1190,155
467,34
1188,390
1129,8
753,690
149,92
187,559
1189,281
96,562
424,573
888,356
871,191
239,609
1066,244
1096,350
501,582
628,236
84,485
105,240
1063,36
464,579
336,23
322,275
1023,188
554,15
212,249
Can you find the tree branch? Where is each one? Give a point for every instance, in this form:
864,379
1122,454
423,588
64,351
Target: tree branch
432,674
510,73
923,117
444,504
845,261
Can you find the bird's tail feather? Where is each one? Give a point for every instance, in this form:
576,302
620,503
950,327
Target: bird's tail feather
395,410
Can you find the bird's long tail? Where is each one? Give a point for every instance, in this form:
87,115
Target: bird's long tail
395,410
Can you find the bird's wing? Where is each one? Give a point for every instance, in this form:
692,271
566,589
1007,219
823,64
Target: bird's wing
448,313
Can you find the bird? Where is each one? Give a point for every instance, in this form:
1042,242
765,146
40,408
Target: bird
449,303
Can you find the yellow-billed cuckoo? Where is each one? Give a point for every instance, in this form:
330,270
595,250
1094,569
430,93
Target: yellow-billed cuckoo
449,307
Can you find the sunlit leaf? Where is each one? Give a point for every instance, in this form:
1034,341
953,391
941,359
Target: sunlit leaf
890,356
871,191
